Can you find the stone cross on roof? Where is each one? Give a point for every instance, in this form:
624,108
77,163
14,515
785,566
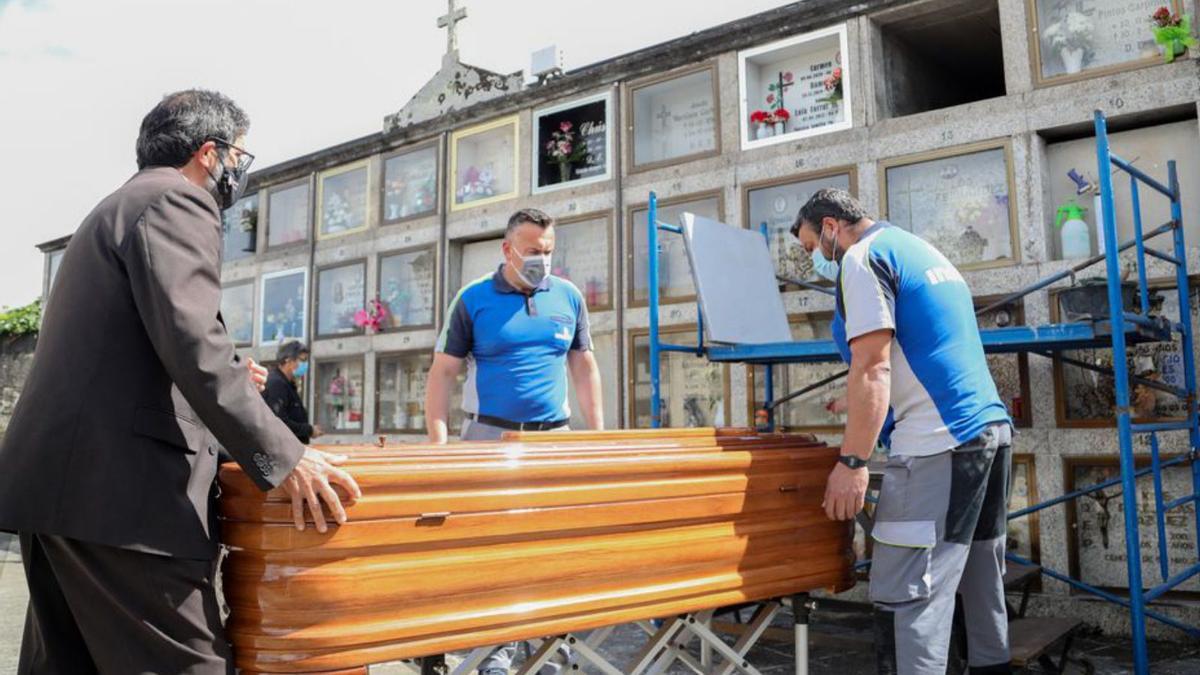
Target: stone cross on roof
449,21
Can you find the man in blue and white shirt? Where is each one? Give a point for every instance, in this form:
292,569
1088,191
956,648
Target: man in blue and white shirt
905,322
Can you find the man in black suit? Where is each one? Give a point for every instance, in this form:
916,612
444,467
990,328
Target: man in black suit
108,463
291,363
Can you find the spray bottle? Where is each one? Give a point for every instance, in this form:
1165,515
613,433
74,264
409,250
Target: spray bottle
1075,239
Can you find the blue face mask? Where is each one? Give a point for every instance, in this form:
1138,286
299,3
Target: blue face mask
301,370
823,266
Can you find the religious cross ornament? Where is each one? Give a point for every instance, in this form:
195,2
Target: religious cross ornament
782,82
449,21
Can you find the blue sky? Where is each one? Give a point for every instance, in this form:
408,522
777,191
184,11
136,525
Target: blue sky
76,77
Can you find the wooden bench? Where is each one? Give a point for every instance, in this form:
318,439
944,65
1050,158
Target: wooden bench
1031,640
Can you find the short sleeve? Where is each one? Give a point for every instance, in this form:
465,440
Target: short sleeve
868,290
583,329
457,336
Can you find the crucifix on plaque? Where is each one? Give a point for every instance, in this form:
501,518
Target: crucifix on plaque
782,82
662,116
449,21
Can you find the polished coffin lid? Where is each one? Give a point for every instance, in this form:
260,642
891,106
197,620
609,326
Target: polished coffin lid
472,544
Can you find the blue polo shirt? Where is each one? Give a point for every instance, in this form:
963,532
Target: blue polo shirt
942,392
516,346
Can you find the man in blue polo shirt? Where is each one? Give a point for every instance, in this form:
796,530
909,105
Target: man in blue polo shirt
520,331
905,320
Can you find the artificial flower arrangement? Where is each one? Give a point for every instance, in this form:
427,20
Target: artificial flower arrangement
565,148
372,319
1172,32
338,214
1071,36
833,85
476,184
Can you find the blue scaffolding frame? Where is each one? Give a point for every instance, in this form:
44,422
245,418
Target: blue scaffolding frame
1120,329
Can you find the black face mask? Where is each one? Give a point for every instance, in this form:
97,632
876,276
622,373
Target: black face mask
229,184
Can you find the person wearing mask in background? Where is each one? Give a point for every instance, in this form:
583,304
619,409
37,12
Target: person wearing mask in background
110,458
291,365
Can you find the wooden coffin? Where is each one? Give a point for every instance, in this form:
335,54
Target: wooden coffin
467,545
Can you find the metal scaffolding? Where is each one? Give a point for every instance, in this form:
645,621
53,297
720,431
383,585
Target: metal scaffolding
1119,329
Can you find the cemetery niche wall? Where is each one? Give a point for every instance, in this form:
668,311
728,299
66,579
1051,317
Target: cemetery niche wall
573,144
674,118
288,214
484,161
283,307
410,184
237,310
959,199
795,88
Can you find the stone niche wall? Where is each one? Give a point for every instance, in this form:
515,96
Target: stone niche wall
16,358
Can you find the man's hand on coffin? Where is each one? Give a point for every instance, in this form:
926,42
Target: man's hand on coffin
845,492
258,375
312,481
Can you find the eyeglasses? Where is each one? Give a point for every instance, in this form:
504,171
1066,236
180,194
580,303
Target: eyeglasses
244,159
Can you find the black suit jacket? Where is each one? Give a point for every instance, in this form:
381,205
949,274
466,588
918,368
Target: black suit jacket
135,383
284,400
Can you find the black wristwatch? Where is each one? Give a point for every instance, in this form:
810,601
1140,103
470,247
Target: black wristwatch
852,461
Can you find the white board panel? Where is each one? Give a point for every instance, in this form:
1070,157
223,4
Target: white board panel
735,279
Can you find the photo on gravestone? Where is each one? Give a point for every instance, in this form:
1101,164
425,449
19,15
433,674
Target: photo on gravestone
239,229
604,348
1087,398
341,292
776,203
237,311
822,409
1078,36
960,203
674,269
400,382
485,162
342,196
406,282
794,88
694,392
410,184
339,395
675,119
1010,372
582,255
287,215
1097,522
283,307
572,143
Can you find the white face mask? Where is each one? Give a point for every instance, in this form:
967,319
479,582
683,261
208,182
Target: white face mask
823,266
534,269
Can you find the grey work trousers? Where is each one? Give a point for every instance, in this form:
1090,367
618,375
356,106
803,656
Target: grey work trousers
939,530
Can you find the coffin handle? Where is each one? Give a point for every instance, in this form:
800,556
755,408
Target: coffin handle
434,518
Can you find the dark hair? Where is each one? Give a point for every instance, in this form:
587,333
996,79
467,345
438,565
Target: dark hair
182,122
531,216
293,349
831,203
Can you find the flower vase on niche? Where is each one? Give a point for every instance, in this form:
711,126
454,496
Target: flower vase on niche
1071,37
566,148
761,122
780,118
1172,33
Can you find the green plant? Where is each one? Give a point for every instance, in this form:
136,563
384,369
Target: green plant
1172,32
21,320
